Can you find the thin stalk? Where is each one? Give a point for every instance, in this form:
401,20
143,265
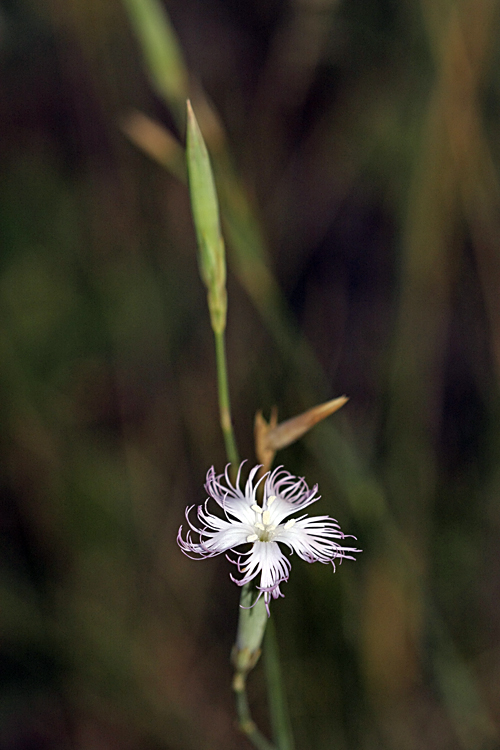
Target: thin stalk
278,708
245,721
226,422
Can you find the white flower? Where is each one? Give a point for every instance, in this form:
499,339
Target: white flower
264,527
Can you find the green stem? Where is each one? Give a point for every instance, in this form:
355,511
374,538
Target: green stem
277,703
224,402
245,721
278,708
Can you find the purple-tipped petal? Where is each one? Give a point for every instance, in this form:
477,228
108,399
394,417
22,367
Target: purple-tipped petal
263,527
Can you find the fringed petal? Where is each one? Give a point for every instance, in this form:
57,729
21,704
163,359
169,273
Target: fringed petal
263,527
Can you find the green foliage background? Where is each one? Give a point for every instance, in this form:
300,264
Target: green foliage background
355,145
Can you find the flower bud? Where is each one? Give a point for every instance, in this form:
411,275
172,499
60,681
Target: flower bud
205,208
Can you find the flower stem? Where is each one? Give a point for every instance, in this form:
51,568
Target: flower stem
224,402
245,721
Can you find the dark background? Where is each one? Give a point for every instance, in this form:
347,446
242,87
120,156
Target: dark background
356,150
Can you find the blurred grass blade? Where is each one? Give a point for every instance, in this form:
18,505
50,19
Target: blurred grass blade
162,53
278,707
156,141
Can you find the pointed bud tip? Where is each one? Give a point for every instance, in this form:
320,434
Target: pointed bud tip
192,122
272,438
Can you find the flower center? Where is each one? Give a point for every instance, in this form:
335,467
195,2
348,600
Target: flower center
264,529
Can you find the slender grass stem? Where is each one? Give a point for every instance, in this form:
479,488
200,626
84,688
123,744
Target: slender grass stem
226,422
